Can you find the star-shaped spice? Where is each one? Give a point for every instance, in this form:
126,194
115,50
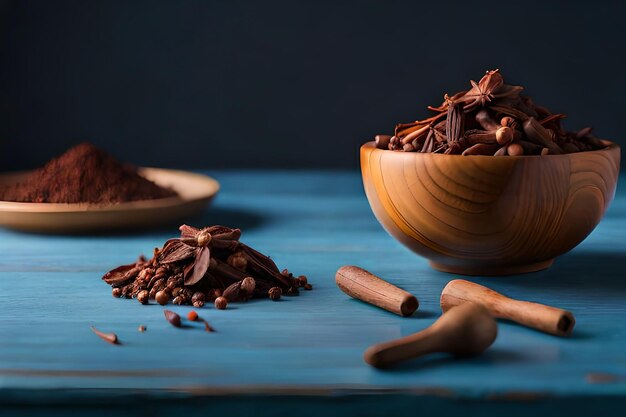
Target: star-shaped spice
489,88
197,243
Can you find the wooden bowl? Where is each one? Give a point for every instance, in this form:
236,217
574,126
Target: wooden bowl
487,215
195,193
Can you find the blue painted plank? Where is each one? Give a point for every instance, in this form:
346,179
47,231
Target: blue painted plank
312,345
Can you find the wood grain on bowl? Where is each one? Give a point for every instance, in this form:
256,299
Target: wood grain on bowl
488,215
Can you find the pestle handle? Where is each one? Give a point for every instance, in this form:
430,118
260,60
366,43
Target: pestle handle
548,319
386,354
365,286
465,330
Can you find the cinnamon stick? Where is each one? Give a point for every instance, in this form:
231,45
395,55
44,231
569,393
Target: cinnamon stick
365,286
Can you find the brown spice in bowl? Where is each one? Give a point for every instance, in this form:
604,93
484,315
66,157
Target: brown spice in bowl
491,118
84,174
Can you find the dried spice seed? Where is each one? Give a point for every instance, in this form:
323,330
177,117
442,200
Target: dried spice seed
145,274
117,292
515,149
198,296
221,303
192,316
142,328
248,285
173,318
274,293
162,297
504,135
233,292
152,293
382,141
142,297
107,337
187,292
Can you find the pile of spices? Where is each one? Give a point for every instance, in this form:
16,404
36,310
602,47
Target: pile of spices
204,265
84,174
491,118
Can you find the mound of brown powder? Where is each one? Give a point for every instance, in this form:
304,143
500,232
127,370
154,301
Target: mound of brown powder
84,174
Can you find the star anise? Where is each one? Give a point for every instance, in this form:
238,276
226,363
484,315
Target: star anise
124,274
489,88
196,244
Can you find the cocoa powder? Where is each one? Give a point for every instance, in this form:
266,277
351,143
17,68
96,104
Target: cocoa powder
84,174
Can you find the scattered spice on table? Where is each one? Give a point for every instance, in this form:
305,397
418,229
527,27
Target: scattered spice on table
491,118
204,265
107,337
84,174
207,327
173,318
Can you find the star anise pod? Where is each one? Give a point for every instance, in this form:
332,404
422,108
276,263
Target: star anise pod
489,88
122,274
195,244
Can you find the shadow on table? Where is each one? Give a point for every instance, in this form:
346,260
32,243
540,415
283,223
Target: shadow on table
576,272
225,216
493,356
229,216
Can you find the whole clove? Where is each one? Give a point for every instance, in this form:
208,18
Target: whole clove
142,297
107,337
173,318
491,118
198,299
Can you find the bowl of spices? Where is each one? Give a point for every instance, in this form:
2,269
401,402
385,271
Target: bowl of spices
492,184
87,190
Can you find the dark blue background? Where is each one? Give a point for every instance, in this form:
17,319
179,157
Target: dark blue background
246,84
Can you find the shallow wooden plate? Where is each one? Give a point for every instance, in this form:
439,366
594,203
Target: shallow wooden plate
195,193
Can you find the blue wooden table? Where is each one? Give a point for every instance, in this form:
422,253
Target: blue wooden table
301,356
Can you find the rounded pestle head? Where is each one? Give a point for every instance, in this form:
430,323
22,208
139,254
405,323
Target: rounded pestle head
470,329
465,330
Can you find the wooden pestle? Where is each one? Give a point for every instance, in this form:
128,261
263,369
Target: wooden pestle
466,330
545,318
365,286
